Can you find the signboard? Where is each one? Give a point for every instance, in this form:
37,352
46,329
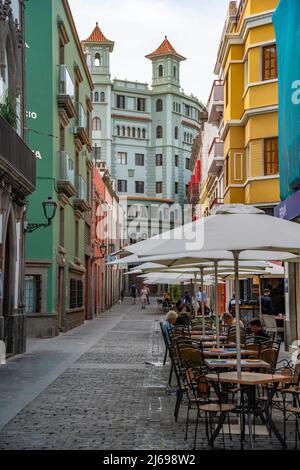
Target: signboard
287,28
289,209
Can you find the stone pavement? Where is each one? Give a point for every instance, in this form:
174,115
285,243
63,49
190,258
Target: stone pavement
92,388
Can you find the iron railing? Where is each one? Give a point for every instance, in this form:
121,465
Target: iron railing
67,172
14,150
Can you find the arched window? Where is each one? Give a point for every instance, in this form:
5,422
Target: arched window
174,106
144,133
97,61
123,131
176,132
185,136
96,97
128,131
160,71
175,71
96,124
118,130
139,133
159,132
102,97
133,132
159,105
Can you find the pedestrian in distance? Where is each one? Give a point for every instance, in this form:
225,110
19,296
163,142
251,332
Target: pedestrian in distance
144,292
133,293
148,294
266,303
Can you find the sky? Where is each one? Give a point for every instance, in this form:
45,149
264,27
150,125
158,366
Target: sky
138,27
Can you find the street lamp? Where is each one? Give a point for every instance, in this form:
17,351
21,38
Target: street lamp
49,207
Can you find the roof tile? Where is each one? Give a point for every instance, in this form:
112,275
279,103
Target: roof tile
165,48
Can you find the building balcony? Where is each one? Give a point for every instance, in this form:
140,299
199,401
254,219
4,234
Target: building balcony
66,182
81,200
216,102
17,161
215,203
81,125
65,98
215,157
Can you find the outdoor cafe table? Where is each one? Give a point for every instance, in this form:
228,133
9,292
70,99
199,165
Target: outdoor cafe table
230,352
248,382
232,364
208,337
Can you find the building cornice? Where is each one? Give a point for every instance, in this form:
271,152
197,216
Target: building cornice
77,41
134,118
246,116
154,199
255,84
230,39
188,124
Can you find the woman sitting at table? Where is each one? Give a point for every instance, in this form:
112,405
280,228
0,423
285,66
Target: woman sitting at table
168,324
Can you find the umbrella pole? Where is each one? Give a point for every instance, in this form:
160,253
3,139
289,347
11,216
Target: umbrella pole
195,295
259,297
202,302
216,307
236,255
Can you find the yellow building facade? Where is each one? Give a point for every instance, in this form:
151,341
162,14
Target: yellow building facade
247,64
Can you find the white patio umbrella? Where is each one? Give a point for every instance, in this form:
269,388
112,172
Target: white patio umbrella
234,228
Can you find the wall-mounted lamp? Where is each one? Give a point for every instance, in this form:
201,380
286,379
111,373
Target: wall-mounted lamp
49,207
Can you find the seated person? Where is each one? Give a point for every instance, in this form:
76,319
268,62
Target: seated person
183,319
258,331
166,300
169,323
179,307
230,321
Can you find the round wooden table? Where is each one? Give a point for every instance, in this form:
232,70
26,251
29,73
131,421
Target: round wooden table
248,382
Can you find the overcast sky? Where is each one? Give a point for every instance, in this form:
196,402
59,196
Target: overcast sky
138,27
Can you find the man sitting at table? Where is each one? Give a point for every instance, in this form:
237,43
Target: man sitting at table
230,321
258,331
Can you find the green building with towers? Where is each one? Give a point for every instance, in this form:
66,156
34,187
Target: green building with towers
144,135
59,113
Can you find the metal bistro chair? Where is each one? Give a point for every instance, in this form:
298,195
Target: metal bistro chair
270,324
176,343
197,388
232,335
166,341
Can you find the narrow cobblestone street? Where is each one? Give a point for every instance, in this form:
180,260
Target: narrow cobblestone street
91,389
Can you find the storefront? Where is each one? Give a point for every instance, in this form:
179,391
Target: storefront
289,209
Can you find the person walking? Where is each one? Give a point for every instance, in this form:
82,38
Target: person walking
232,303
133,293
148,294
144,292
199,299
266,303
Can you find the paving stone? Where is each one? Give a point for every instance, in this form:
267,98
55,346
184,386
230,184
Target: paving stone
101,401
